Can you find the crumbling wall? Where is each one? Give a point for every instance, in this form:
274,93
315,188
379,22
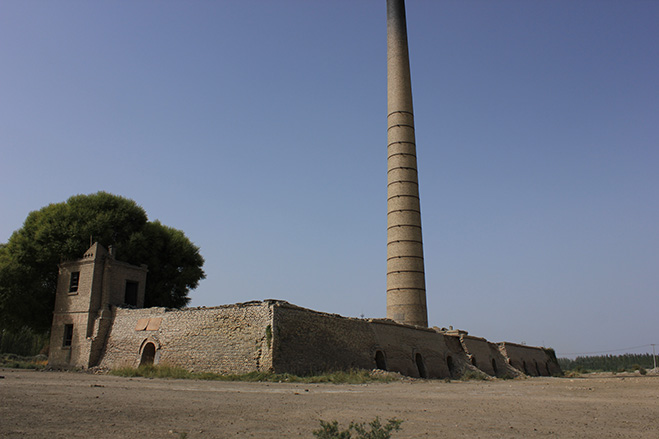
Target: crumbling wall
307,341
531,360
225,339
486,356
284,338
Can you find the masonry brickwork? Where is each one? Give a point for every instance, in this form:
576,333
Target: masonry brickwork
224,339
530,360
94,327
86,290
311,341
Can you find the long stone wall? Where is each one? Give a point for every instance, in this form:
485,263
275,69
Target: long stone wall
487,357
225,339
284,338
531,360
310,341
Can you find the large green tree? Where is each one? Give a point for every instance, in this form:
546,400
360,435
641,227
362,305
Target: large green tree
63,231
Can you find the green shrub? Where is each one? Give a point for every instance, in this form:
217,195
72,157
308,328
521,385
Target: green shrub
13,361
330,430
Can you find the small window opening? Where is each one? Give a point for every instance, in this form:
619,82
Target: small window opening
494,366
148,354
380,361
74,281
422,367
130,298
449,364
68,336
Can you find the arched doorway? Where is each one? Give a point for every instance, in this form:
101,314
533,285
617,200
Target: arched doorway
380,361
526,371
449,364
494,367
148,354
420,366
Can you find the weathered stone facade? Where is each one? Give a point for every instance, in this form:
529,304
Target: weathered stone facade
224,339
530,360
86,291
272,335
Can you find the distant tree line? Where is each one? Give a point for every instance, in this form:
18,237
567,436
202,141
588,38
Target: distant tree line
608,363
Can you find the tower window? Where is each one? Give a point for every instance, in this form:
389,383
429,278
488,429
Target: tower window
68,336
74,281
130,297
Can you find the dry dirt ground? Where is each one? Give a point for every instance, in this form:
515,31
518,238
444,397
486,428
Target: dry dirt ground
79,405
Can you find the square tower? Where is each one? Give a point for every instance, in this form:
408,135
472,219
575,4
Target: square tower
86,291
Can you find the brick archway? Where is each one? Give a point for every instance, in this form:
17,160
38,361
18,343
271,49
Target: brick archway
148,354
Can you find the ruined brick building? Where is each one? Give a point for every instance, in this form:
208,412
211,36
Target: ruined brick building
99,319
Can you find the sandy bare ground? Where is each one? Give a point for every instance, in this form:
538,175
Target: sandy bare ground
76,405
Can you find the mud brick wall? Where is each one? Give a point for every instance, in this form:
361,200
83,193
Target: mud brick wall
90,279
225,339
403,343
73,308
487,357
77,354
307,341
531,360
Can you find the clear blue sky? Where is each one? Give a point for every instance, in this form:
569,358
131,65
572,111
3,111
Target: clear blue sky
259,129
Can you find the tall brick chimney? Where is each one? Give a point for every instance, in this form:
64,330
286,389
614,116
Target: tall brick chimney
406,285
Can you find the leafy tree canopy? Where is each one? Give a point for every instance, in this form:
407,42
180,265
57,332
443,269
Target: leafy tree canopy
63,231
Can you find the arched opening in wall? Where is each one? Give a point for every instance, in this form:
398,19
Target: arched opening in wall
148,354
451,367
537,369
547,366
526,371
420,366
494,366
380,361
473,361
